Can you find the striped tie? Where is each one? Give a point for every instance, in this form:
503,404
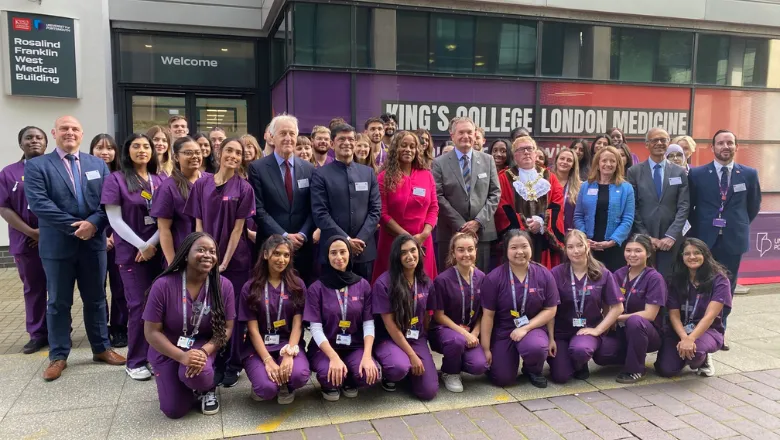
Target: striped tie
466,173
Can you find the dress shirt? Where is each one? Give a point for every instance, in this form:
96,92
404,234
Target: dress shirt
66,162
719,168
652,168
290,161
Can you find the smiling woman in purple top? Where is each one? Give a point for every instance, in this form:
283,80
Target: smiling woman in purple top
586,287
519,298
700,288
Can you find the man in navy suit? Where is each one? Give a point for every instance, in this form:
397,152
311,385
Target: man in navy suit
345,201
281,182
63,189
725,198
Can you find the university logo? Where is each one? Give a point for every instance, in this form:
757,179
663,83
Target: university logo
39,25
22,24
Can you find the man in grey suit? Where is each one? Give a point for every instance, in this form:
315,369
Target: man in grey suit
468,192
662,199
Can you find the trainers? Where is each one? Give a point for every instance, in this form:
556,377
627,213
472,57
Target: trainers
209,404
629,378
349,391
331,395
452,382
140,373
231,379
119,339
582,374
285,396
388,386
708,367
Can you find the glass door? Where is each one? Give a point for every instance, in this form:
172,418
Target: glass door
230,114
149,110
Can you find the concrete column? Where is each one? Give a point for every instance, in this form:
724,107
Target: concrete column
773,65
602,51
384,38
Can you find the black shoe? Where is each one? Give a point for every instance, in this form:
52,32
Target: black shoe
34,345
209,404
725,347
388,386
119,340
219,377
537,380
629,378
582,374
231,379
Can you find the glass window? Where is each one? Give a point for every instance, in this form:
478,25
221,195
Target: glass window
505,47
452,43
645,55
155,110
322,34
363,41
572,50
279,55
737,61
228,114
412,40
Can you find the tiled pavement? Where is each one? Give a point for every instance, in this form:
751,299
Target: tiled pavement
98,401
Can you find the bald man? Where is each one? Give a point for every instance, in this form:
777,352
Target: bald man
63,189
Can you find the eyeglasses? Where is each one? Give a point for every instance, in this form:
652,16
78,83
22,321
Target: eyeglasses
674,156
191,153
659,141
524,150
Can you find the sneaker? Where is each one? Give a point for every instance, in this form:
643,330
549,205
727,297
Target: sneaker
285,396
34,345
119,339
140,373
708,367
388,386
231,379
452,382
629,378
254,396
537,380
725,347
349,391
331,395
209,404
582,374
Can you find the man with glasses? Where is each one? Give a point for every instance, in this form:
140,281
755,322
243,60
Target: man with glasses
662,200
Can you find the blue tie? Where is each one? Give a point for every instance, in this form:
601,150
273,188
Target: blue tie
466,173
77,183
657,180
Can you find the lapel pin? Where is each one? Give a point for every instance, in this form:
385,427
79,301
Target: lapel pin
737,171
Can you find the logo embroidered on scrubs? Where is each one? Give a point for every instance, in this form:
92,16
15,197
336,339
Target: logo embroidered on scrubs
225,199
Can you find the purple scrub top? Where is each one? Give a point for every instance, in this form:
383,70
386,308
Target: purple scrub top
446,296
289,310
497,296
219,208
169,204
603,291
134,209
381,304
721,292
322,306
650,290
164,306
12,197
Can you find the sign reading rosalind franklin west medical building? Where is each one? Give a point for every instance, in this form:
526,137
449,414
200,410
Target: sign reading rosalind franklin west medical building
40,55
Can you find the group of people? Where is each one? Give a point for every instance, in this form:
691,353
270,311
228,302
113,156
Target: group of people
220,254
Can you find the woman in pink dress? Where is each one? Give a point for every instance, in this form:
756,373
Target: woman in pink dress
409,204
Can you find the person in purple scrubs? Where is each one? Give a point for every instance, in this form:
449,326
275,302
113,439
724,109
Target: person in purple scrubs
699,290
519,298
221,204
127,196
338,308
271,304
400,297
640,326
104,146
23,235
169,200
188,318
585,287
455,301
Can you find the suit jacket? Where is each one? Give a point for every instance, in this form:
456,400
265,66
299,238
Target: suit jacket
52,198
345,201
743,202
456,207
274,213
665,217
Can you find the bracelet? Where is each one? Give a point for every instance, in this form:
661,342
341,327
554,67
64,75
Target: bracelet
265,361
204,351
290,350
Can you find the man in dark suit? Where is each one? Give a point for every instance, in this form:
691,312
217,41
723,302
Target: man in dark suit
662,200
281,182
63,189
725,199
345,201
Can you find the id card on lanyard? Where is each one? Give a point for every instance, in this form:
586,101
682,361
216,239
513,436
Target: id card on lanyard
578,321
631,292
198,310
690,313
148,196
519,318
463,322
413,333
343,338
272,337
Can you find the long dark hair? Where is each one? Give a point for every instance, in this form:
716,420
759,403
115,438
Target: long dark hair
629,161
242,166
126,165
114,165
596,139
585,162
182,183
705,275
179,264
261,273
644,241
209,162
400,294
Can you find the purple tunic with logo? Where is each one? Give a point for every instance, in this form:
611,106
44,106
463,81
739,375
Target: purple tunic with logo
721,292
603,291
322,306
12,197
289,310
651,289
381,304
446,296
169,204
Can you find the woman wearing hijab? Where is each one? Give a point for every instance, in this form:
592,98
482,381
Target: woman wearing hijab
676,155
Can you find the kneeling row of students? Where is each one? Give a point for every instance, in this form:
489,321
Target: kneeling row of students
480,323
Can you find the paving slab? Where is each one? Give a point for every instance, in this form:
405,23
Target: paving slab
751,354
82,424
70,392
134,420
241,415
477,391
374,403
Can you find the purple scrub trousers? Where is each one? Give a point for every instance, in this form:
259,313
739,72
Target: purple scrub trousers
34,281
351,357
573,355
457,357
507,354
396,365
670,364
175,391
264,387
137,278
119,314
629,345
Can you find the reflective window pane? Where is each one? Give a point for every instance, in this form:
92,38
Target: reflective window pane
363,29
148,111
229,114
505,47
412,40
452,43
737,61
322,34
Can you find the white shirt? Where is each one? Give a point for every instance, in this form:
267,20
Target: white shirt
719,168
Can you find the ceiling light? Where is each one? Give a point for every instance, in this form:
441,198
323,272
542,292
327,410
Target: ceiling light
224,49
148,46
479,63
451,47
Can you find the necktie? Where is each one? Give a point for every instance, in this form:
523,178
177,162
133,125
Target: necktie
77,183
724,180
657,180
288,181
466,173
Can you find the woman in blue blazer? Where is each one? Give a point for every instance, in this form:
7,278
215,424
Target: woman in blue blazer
605,208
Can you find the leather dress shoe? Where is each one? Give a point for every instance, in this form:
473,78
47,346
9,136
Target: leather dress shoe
54,370
110,357
34,345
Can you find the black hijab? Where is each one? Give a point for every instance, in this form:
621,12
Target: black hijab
335,279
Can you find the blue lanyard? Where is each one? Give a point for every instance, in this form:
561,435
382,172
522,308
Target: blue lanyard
514,295
581,308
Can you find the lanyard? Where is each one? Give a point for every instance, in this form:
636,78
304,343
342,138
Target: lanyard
414,308
581,308
633,286
722,193
200,313
514,295
151,192
463,297
268,307
343,305
689,319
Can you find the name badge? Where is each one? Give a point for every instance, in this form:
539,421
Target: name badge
148,220
412,334
343,339
593,191
271,339
578,322
280,323
719,222
344,324
521,321
185,343
361,186
675,181
92,175
420,192
740,187
689,328
303,183
146,195
482,176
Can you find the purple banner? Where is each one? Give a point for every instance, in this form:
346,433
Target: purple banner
761,264
279,97
315,97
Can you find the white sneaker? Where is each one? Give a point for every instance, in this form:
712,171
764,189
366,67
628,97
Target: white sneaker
708,367
209,404
285,396
452,382
140,373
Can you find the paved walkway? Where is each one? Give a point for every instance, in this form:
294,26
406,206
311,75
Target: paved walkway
101,402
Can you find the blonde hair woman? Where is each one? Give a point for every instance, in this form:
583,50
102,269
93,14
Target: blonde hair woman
161,138
567,170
